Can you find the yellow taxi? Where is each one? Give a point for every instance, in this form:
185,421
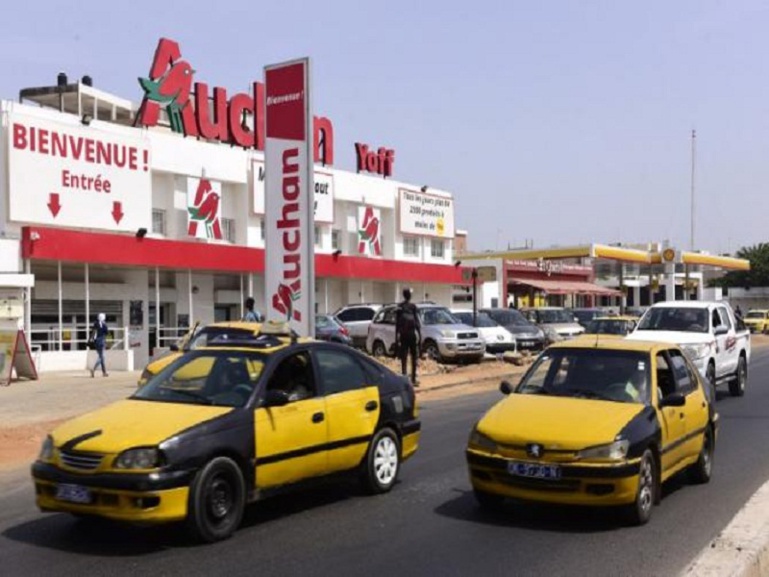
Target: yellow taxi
757,320
198,336
614,326
595,423
226,424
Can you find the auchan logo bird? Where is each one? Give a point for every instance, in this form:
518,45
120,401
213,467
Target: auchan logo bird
283,300
172,89
205,210
368,234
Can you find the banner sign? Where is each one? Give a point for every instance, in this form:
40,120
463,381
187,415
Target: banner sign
369,231
323,189
72,175
289,191
426,214
204,207
15,354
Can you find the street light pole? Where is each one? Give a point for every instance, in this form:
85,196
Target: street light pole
691,222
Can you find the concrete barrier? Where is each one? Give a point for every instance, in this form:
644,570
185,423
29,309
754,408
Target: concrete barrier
62,361
742,548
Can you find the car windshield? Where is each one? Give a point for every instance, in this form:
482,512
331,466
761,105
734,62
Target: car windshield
607,327
208,334
482,319
509,317
553,316
685,319
438,316
219,378
754,315
609,375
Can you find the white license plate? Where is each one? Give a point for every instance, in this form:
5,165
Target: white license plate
73,494
533,470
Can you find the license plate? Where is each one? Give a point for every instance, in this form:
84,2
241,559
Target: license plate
533,470
73,494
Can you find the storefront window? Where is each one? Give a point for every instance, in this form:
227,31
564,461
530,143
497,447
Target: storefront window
228,229
335,239
410,246
436,249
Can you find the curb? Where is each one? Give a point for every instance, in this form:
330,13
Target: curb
742,548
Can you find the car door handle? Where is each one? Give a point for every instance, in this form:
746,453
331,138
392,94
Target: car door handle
318,418
371,406
681,415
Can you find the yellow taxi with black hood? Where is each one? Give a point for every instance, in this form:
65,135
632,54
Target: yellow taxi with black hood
227,424
601,422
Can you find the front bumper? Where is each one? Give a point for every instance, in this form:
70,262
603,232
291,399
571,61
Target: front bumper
530,343
461,348
579,484
497,347
158,497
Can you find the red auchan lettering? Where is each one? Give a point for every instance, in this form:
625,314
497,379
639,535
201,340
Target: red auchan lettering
79,148
379,162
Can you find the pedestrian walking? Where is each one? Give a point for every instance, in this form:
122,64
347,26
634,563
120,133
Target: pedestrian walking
98,338
738,311
251,315
408,334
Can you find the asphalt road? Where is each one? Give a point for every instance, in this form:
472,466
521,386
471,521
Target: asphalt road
428,525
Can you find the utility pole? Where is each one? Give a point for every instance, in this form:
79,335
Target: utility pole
691,224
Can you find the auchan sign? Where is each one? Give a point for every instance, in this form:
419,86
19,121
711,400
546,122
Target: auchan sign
170,86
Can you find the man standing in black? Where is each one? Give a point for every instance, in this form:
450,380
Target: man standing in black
408,334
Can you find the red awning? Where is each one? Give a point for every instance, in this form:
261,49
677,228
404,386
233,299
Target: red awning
561,287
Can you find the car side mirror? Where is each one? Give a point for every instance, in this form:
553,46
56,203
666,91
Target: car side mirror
673,400
721,330
275,398
174,348
505,387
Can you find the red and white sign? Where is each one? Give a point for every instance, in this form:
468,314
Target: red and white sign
426,214
289,190
323,186
204,208
376,161
72,175
369,231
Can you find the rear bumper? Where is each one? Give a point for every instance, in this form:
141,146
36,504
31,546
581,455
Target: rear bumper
410,432
140,498
578,485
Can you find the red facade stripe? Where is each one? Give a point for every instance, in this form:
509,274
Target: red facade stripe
127,250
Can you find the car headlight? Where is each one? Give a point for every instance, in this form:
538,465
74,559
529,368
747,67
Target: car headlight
46,450
481,441
615,451
140,458
447,334
697,351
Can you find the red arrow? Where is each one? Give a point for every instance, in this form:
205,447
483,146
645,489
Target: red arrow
117,211
53,203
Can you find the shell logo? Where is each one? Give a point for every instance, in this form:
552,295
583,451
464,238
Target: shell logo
439,226
668,254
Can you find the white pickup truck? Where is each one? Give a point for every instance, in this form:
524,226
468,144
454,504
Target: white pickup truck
714,339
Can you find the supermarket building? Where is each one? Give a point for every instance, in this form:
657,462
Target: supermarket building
108,209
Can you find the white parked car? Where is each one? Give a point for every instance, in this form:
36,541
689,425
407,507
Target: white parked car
498,339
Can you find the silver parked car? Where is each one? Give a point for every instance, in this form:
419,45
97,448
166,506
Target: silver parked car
356,318
557,322
443,335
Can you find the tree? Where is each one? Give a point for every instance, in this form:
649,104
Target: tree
757,276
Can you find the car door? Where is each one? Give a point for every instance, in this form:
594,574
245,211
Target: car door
732,350
696,407
726,343
352,405
672,419
291,440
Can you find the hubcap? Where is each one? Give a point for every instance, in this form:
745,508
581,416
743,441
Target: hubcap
432,352
219,498
646,490
385,460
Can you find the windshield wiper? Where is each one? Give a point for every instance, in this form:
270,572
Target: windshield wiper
591,394
192,395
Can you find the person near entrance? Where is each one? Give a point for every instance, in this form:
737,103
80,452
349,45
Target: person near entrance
99,337
251,315
408,334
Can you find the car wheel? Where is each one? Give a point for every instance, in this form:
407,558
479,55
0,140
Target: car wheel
378,349
641,510
431,351
710,378
737,385
216,500
382,462
701,471
488,501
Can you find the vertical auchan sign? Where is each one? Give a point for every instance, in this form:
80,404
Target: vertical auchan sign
289,274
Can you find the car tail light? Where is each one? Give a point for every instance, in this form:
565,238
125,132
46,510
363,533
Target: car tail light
344,331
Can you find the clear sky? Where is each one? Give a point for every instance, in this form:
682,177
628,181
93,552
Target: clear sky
557,121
